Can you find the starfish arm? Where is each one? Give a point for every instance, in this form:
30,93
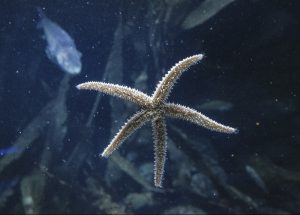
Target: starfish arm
164,87
189,114
135,122
123,92
160,149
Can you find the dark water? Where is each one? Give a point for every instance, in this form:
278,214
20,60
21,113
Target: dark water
51,136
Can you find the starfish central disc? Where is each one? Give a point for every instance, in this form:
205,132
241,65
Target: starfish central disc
155,108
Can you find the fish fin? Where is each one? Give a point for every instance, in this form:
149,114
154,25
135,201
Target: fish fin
48,53
50,56
79,53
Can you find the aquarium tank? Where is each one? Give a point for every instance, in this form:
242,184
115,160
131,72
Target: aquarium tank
149,107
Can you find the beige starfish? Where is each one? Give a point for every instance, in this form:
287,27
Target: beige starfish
155,108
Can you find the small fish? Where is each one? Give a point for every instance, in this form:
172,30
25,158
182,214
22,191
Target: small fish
61,48
257,179
205,11
8,150
216,105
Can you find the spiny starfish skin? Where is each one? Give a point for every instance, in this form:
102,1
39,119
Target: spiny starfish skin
155,108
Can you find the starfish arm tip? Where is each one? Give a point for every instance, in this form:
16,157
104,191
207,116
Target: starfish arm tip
236,131
82,86
78,86
104,154
200,56
158,186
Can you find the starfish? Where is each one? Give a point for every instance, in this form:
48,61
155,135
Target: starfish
155,108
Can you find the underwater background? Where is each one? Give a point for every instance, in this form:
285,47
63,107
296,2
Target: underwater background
52,134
